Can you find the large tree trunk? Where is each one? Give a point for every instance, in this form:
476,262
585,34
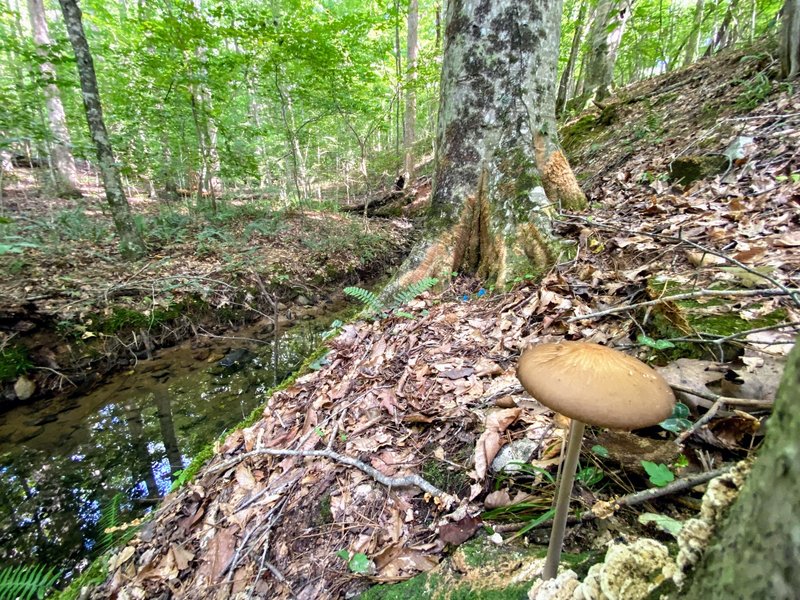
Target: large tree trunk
757,550
66,176
790,39
131,242
605,36
410,116
500,171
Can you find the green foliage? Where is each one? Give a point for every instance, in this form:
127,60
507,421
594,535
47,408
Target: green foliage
114,532
756,91
659,474
15,245
370,301
23,582
678,421
358,563
14,362
377,307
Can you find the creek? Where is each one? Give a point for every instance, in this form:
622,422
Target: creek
71,466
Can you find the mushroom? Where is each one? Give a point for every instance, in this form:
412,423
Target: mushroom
595,385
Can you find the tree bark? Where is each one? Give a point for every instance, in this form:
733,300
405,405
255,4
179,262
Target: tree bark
66,176
131,242
605,36
757,548
410,116
790,39
499,168
577,38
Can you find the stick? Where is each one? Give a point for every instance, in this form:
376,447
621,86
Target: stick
697,294
392,482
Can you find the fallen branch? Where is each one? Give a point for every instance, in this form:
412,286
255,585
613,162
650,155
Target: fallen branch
747,402
629,500
678,485
686,296
392,482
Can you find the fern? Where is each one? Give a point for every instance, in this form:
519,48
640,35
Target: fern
402,296
408,293
367,298
26,581
114,532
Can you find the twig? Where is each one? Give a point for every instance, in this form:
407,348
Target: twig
685,296
676,486
719,403
392,482
749,402
794,294
632,499
59,373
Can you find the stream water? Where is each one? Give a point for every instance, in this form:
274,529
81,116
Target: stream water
65,464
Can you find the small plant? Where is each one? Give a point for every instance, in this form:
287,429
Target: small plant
14,361
678,421
26,581
377,307
660,475
358,563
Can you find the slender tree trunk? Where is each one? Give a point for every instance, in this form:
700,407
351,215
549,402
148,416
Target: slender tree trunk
605,36
756,552
694,36
499,168
790,39
577,38
64,164
410,120
725,34
398,79
167,426
131,242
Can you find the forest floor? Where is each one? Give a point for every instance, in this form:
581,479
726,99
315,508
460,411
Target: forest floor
308,502
74,309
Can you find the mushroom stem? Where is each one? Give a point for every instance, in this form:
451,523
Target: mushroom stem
562,499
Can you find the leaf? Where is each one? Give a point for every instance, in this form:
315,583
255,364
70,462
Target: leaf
601,451
660,475
663,522
359,563
652,343
343,554
675,425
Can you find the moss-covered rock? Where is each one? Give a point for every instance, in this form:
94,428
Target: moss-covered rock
688,169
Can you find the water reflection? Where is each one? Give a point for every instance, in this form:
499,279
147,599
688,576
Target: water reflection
60,464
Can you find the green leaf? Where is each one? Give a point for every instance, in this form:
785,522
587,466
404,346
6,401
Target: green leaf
660,475
601,451
680,411
652,343
343,554
675,425
663,522
359,563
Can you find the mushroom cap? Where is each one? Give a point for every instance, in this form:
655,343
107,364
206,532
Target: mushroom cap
596,385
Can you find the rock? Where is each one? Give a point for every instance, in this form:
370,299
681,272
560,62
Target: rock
236,359
518,451
24,388
302,300
160,375
23,433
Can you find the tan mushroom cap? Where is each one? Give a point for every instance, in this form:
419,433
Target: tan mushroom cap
596,385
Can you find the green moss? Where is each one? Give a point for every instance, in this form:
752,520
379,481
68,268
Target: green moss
695,317
124,319
576,134
14,362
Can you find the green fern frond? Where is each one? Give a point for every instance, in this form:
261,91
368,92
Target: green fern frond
408,293
114,531
367,298
24,582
